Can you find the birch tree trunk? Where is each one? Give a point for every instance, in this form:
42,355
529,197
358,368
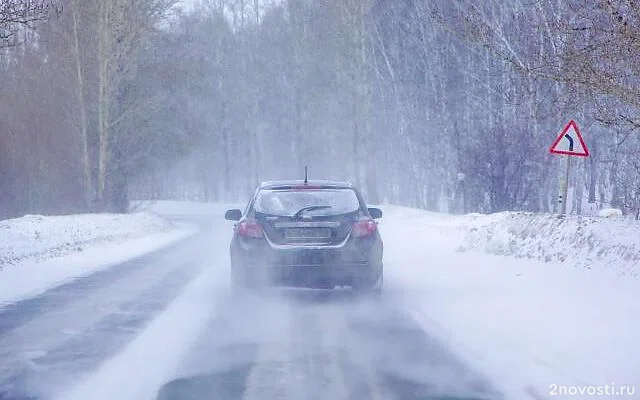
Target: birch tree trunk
104,55
82,104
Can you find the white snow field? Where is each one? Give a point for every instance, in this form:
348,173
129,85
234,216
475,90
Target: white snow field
537,329
38,252
543,307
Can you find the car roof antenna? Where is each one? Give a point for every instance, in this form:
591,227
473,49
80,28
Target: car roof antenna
306,175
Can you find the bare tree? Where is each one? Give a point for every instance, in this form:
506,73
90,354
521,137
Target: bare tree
122,28
19,14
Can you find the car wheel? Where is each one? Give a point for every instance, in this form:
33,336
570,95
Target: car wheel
377,287
238,278
374,288
235,276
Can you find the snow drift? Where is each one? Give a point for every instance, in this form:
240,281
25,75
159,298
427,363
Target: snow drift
573,240
38,237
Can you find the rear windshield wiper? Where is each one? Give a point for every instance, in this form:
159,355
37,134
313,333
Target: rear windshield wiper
308,208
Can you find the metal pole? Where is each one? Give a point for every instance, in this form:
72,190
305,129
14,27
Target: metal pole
565,187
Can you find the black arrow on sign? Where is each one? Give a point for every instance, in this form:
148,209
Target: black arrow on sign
570,139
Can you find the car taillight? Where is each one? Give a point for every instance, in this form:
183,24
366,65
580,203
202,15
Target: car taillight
364,228
249,229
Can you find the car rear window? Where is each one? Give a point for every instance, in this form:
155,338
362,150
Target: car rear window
288,202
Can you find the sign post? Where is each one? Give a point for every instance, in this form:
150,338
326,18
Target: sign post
570,144
562,198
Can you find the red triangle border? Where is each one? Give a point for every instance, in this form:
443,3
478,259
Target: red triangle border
573,124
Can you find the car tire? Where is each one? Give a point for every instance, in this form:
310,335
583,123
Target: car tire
238,278
235,276
374,288
377,287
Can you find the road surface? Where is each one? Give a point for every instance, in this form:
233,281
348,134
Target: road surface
274,344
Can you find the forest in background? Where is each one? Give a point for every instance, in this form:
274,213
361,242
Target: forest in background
446,105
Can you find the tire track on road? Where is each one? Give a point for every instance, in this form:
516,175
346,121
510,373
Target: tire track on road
317,345
70,330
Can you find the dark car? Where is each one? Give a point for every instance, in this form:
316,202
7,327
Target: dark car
315,234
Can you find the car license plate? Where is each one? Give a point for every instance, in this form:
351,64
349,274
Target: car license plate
307,233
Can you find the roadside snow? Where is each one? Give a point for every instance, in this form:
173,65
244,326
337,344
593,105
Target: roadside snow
610,213
534,328
585,242
38,237
609,242
39,252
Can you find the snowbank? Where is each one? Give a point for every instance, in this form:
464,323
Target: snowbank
610,213
40,252
575,241
37,237
603,242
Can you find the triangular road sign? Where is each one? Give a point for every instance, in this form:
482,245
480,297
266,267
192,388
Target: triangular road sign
570,142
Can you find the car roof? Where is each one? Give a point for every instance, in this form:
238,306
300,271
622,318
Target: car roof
323,184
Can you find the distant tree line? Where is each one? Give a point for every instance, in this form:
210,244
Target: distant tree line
70,103
447,105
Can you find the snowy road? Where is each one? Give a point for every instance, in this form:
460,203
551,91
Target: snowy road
320,345
132,330
450,324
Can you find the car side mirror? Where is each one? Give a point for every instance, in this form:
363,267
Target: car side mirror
375,213
233,215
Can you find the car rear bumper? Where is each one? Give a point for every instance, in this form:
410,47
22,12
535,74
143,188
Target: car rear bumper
320,275
354,264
